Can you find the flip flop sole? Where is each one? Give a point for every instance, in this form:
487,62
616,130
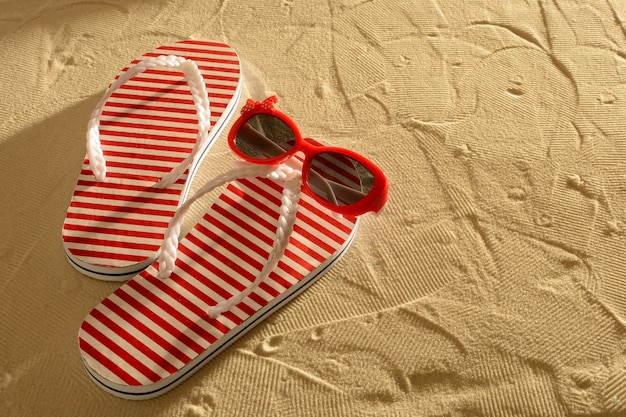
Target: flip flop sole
113,228
151,334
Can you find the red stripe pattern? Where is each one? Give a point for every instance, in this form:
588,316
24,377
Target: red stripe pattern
147,127
151,331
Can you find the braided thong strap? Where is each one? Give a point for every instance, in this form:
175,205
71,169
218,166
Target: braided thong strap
200,97
286,220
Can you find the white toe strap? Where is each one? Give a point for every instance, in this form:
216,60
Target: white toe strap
286,220
200,97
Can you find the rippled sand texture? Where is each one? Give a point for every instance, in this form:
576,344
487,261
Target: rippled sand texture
494,283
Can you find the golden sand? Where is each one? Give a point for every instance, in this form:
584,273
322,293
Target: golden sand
494,282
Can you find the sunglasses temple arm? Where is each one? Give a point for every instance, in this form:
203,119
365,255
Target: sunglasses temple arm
343,190
334,189
323,183
262,142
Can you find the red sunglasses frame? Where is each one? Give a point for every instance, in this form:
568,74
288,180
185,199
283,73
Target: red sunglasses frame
374,200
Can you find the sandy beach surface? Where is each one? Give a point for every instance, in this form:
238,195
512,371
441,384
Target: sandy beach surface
493,283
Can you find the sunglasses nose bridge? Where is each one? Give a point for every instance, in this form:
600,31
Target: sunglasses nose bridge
304,150
308,147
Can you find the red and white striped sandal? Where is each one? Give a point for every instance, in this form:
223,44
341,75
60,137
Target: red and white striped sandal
145,139
281,222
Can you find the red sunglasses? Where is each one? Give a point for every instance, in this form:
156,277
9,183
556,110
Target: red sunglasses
339,179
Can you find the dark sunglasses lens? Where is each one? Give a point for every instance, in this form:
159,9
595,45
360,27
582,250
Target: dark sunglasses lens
339,179
264,136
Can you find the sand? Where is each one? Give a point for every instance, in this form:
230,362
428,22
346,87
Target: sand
493,284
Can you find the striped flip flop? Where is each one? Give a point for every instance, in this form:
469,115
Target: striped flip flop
145,140
154,332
